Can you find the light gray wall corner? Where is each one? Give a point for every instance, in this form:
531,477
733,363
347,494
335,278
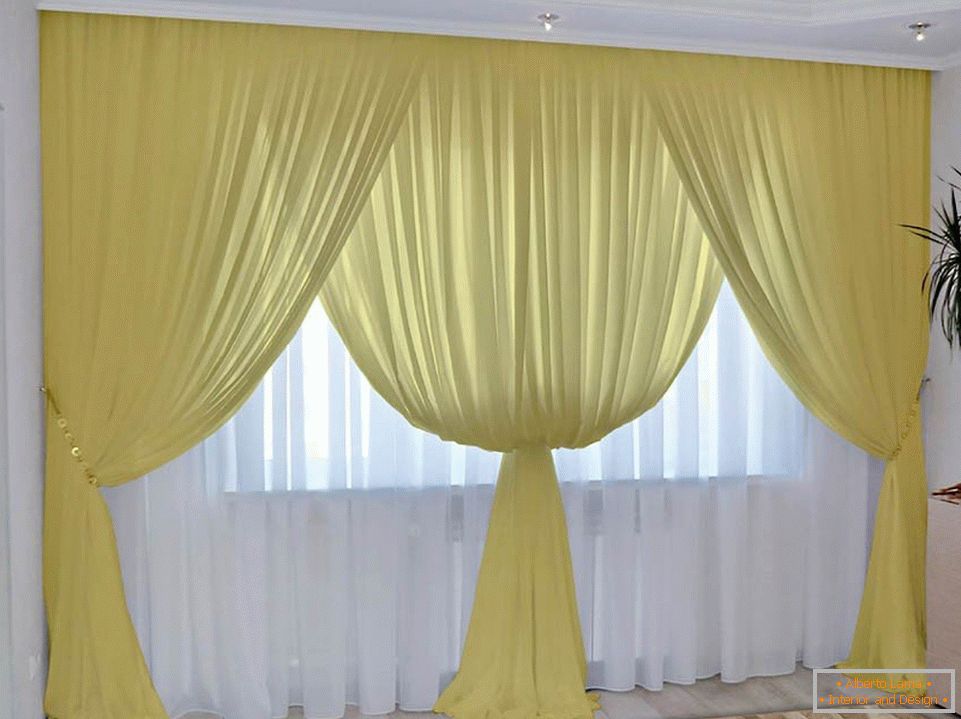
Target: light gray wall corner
21,423
942,395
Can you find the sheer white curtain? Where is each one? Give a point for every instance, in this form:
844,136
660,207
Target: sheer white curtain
319,551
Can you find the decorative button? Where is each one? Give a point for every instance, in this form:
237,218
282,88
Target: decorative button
67,435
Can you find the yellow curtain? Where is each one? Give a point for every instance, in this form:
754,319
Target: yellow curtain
801,174
528,274
199,179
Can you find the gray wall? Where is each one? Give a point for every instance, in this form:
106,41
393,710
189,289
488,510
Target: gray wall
942,397
21,476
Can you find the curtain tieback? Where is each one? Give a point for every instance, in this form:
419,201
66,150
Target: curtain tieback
908,426
75,450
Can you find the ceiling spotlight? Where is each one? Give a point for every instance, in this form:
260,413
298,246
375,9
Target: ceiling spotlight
548,19
919,29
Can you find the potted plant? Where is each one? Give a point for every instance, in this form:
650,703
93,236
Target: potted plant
943,281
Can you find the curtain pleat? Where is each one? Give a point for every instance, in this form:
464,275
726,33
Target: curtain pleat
393,554
529,271
199,180
527,274
801,174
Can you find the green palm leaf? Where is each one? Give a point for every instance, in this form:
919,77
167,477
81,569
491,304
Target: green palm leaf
943,278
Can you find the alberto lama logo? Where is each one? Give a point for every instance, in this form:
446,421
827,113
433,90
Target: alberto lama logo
889,690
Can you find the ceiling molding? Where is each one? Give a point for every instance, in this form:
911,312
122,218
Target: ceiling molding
949,61
813,12
191,9
831,11
761,10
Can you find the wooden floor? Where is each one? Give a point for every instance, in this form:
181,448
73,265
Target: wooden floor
812,715
712,698
783,697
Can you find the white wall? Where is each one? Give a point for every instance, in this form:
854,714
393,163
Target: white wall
942,397
20,364
6,666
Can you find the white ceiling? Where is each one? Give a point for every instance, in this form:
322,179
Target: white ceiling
859,31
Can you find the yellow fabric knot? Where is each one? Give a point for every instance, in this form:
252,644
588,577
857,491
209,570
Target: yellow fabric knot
75,450
908,426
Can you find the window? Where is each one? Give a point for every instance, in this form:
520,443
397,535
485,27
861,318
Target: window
316,424
321,541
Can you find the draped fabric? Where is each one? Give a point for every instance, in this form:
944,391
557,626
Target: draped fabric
530,272
801,174
199,179
358,591
527,275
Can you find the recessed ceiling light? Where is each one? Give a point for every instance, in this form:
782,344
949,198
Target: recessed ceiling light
920,30
548,19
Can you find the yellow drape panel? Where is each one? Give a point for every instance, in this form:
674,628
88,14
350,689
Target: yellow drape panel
528,274
199,180
801,174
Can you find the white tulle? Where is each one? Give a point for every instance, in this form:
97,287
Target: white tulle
319,551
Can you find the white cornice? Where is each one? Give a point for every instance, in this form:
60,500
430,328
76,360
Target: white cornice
762,10
830,11
813,13
950,61
189,9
